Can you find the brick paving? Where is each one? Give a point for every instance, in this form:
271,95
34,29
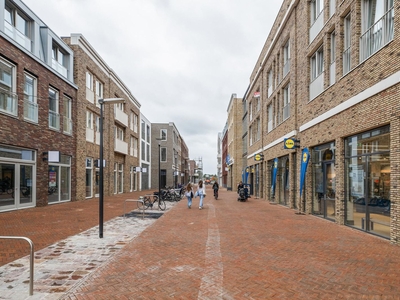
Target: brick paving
231,250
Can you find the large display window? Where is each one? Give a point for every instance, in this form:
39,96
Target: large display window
367,176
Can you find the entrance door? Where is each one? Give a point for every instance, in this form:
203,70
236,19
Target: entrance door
329,190
16,186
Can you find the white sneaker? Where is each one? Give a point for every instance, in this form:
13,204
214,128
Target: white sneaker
200,207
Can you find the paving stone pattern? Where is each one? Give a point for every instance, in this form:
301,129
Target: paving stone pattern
228,250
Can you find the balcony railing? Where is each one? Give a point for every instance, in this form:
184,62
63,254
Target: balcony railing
59,68
31,111
377,36
90,135
8,102
67,125
54,120
17,36
332,73
317,86
89,95
121,117
121,147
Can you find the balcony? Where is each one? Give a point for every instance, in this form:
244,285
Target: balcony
317,26
8,102
17,36
317,86
31,111
90,135
89,95
121,147
59,68
377,36
121,117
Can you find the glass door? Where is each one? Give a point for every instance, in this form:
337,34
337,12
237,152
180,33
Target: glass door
329,190
7,185
16,186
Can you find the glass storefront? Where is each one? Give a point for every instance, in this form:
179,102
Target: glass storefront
367,176
17,178
324,181
59,180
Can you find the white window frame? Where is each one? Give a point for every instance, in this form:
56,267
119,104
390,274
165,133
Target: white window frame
67,121
286,58
346,44
317,63
332,68
163,154
270,82
163,134
54,116
8,96
286,102
270,112
89,80
30,98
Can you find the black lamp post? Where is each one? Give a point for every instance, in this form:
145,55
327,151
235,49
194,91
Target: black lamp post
176,169
101,182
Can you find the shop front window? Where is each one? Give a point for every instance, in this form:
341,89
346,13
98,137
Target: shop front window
367,176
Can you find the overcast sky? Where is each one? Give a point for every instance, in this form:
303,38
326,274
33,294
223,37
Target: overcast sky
181,59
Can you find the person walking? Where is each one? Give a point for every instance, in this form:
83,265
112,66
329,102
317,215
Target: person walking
189,194
201,192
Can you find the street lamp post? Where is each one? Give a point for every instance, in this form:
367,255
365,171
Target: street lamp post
159,167
101,179
176,169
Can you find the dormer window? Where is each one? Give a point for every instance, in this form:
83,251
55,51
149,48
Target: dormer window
18,27
59,60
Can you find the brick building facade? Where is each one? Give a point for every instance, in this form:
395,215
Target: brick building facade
120,126
235,149
328,80
37,105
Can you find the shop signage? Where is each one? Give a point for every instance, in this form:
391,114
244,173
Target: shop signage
258,157
291,143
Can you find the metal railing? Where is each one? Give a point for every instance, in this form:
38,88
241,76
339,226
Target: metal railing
31,258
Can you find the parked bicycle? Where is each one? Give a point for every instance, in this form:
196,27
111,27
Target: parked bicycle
169,194
149,201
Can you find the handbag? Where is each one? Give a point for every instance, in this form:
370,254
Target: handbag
191,194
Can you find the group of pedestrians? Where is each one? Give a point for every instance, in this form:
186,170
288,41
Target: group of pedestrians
200,192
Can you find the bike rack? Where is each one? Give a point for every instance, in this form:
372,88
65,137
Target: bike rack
31,257
133,200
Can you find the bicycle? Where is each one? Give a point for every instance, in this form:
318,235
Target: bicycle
216,194
147,202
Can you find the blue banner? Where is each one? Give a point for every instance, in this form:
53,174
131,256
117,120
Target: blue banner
274,174
305,157
246,175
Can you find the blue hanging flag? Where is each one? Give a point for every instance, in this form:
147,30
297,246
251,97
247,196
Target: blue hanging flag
305,157
274,174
